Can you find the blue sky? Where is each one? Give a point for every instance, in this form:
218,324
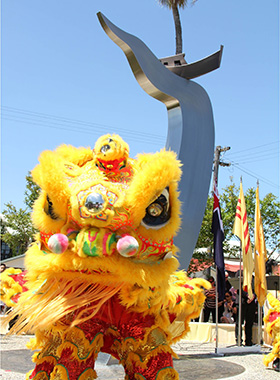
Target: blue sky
64,81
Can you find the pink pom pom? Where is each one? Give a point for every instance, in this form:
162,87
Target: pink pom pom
127,246
58,243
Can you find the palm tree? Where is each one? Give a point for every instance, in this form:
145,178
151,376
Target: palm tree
175,5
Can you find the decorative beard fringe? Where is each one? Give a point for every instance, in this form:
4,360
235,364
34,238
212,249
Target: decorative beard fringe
59,304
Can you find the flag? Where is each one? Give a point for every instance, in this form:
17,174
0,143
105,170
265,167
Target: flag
218,231
241,230
260,255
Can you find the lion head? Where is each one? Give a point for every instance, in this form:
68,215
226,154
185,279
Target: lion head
106,203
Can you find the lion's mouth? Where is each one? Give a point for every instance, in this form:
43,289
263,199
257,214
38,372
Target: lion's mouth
102,242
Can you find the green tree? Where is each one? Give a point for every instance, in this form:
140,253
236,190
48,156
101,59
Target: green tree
205,238
270,208
17,230
32,191
270,211
228,203
175,5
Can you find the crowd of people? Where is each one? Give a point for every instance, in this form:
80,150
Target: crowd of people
228,308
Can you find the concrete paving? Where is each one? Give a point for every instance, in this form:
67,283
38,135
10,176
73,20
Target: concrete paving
196,361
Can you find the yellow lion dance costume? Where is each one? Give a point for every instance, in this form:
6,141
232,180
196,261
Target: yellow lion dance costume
272,319
102,273
12,284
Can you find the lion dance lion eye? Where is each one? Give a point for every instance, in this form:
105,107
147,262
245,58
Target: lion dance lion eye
155,209
104,148
49,210
158,213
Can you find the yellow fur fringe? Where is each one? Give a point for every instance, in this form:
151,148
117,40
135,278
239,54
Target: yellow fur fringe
112,269
9,287
60,297
273,329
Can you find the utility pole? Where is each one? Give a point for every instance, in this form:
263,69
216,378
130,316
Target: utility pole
218,162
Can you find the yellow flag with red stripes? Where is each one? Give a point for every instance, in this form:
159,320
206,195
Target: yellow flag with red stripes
241,230
260,254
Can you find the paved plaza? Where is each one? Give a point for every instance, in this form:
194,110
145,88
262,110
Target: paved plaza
196,361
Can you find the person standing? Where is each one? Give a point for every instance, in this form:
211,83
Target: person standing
248,315
248,310
227,283
210,302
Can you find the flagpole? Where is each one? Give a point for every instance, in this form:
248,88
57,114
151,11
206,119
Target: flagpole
218,231
240,297
216,293
217,330
215,181
240,293
259,258
259,306
241,230
259,323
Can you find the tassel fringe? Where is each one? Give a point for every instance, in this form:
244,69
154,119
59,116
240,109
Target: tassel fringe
60,304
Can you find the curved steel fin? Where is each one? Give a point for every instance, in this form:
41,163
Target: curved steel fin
190,129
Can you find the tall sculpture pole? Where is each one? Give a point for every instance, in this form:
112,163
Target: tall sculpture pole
190,128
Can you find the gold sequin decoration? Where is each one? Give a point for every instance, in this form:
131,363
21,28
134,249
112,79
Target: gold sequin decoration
40,376
155,339
82,346
59,373
51,348
89,374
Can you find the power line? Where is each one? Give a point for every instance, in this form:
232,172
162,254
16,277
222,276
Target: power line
261,155
51,121
254,175
62,123
261,158
80,130
257,153
253,148
63,120
256,156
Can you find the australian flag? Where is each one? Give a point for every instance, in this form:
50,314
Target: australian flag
218,231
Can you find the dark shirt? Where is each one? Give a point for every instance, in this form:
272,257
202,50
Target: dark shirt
228,286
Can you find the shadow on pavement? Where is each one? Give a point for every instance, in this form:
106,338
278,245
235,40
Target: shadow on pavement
188,366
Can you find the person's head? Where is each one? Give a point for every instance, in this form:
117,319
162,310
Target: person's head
211,280
228,296
2,267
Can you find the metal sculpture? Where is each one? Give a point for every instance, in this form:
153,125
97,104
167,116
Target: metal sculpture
190,124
